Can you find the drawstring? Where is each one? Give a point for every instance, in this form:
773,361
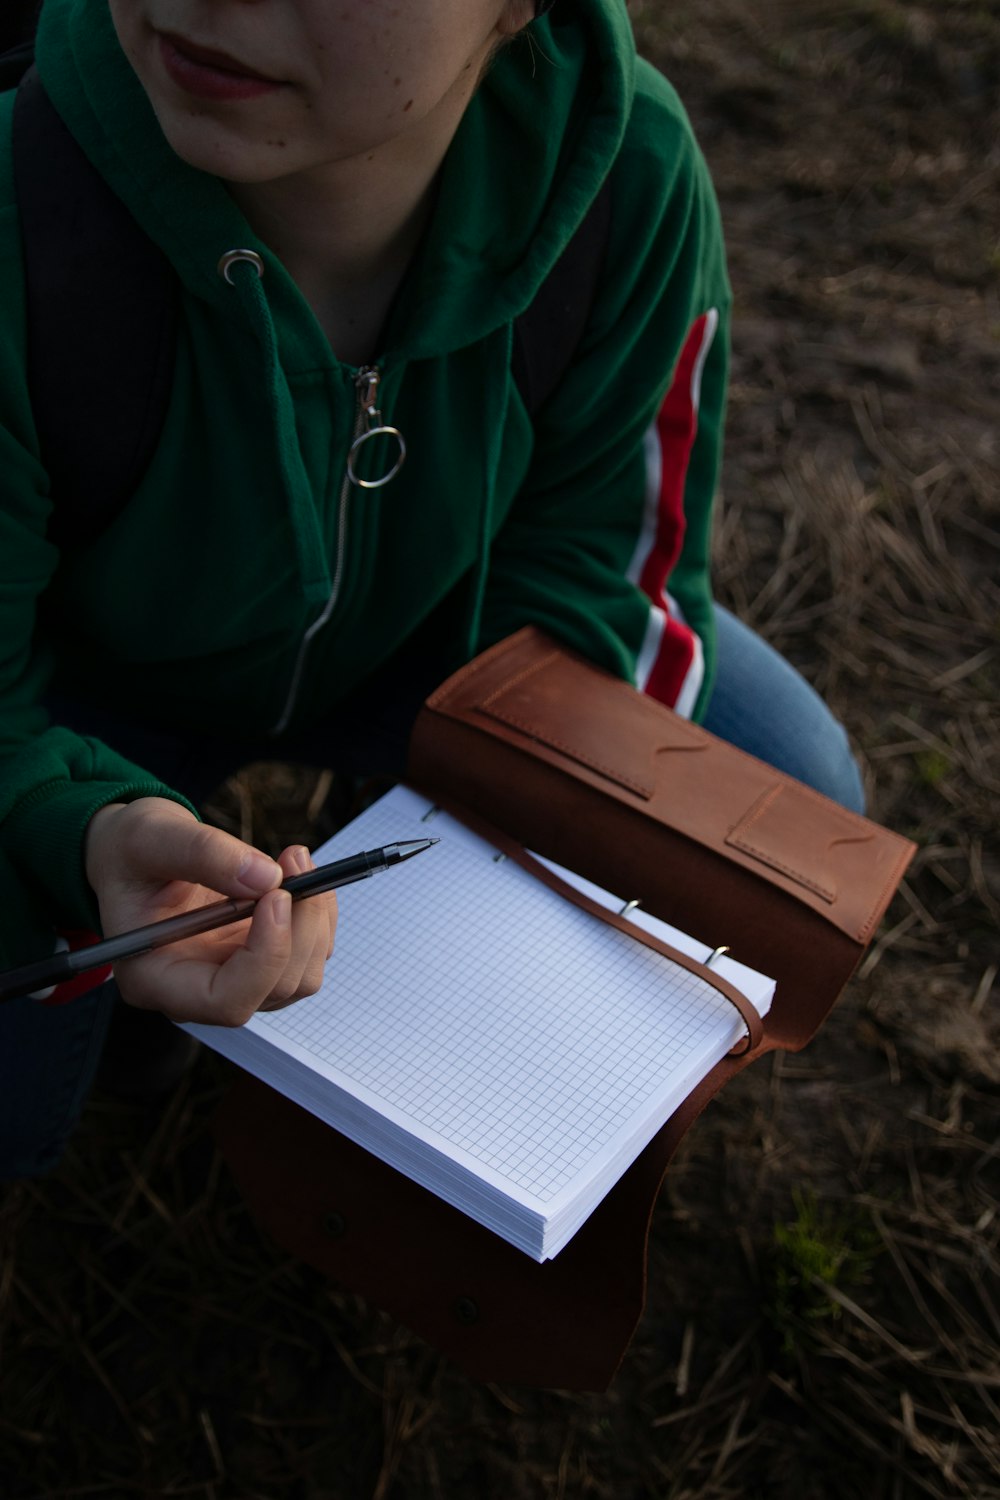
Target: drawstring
244,271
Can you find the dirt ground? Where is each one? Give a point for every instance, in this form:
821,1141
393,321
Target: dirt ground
824,1309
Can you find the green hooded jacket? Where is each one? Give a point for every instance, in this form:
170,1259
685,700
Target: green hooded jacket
249,585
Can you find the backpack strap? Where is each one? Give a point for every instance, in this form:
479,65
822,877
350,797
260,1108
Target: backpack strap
548,332
102,326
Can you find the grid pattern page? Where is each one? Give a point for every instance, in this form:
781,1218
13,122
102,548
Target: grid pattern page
489,1010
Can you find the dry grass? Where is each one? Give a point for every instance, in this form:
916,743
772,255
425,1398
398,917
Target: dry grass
824,1315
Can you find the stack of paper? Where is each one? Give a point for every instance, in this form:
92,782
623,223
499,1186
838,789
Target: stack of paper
479,1032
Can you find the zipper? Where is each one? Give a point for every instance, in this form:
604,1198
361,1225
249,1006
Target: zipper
368,424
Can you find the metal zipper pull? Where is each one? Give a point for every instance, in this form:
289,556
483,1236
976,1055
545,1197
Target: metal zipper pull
370,425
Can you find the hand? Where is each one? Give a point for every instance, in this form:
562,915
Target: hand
151,859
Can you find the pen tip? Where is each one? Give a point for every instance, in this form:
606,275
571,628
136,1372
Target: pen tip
394,853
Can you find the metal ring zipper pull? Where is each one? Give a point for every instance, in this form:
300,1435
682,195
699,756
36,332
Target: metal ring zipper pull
358,444
367,383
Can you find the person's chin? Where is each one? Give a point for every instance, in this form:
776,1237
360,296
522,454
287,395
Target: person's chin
207,145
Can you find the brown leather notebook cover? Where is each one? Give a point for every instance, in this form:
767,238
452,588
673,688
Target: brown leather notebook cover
581,768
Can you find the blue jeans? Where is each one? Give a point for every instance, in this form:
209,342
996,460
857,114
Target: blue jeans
762,704
49,1055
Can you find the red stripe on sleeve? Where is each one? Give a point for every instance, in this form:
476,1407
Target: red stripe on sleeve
677,427
674,661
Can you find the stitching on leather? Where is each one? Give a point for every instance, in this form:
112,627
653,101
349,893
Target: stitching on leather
789,870
739,840
440,700
521,676
895,875
613,773
442,695
648,707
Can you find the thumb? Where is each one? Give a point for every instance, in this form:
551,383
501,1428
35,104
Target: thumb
166,842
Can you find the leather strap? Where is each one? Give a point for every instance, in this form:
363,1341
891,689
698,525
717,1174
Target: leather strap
514,851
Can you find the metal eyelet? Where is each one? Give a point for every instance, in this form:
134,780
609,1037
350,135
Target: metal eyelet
233,257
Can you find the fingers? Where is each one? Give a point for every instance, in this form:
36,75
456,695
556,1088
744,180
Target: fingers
314,922
188,982
310,933
263,973
161,841
280,960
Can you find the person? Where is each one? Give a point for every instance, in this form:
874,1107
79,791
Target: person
358,203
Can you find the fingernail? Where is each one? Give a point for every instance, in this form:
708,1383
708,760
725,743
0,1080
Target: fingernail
257,872
302,860
282,909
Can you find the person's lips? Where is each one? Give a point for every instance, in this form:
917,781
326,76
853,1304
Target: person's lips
210,73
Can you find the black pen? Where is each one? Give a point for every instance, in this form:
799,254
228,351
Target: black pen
30,978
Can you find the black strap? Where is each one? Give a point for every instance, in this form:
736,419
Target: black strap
547,334
101,323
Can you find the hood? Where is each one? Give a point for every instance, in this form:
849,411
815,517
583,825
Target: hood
530,155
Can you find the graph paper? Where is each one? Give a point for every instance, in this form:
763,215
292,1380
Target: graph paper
476,1030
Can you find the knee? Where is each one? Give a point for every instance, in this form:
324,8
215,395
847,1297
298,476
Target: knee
837,774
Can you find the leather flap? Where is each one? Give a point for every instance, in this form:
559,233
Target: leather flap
542,714
779,832
552,703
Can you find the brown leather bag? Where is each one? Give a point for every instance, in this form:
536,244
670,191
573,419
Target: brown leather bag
577,766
